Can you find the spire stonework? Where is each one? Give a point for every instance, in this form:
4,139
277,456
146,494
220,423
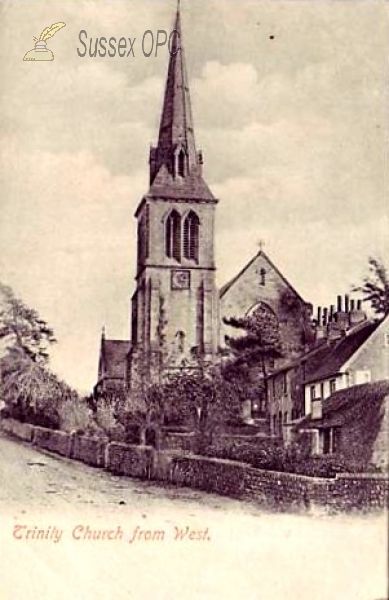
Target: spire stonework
175,268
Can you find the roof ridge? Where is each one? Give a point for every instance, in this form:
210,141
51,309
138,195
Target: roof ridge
262,253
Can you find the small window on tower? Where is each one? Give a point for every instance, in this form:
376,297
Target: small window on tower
181,163
143,236
262,274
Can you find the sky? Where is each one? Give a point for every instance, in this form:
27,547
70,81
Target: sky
289,101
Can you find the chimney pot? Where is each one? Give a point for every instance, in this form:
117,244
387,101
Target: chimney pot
339,303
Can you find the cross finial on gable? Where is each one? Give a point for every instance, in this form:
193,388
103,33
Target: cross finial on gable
261,244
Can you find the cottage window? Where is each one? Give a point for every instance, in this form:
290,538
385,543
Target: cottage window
322,390
331,440
332,386
336,437
326,441
262,274
313,392
173,235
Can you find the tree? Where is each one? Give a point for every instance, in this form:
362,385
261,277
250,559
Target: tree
21,327
30,391
259,344
28,388
375,287
203,400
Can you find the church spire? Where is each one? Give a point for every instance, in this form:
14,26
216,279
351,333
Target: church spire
176,147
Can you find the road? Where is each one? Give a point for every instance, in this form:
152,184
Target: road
153,543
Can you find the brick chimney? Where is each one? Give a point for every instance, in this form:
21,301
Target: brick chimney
321,330
341,317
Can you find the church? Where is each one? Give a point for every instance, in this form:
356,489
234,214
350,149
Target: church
177,311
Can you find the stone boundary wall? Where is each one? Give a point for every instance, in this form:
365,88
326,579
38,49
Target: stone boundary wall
53,440
281,491
134,461
23,431
225,477
89,450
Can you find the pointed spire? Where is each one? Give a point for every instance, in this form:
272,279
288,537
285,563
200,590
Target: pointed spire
176,147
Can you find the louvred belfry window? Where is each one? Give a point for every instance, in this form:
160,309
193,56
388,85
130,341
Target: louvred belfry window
191,236
173,235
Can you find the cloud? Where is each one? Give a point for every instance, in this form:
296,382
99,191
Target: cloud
68,247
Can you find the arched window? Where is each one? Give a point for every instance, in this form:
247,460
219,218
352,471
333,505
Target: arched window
181,163
143,235
263,276
173,235
191,236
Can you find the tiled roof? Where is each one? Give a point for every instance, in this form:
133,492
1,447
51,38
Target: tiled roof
333,357
311,360
115,357
354,398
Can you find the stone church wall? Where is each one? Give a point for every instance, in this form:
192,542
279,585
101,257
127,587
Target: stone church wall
261,282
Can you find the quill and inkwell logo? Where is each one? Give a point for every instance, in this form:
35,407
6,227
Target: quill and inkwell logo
41,52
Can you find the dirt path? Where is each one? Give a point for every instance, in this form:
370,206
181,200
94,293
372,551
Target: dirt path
157,544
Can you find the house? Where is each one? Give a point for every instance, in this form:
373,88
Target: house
349,349
352,424
285,388
361,356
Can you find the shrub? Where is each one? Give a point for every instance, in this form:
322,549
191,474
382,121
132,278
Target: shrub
292,459
75,415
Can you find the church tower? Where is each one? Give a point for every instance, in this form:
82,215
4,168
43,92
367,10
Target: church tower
175,316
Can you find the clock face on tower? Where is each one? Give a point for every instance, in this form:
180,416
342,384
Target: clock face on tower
180,280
